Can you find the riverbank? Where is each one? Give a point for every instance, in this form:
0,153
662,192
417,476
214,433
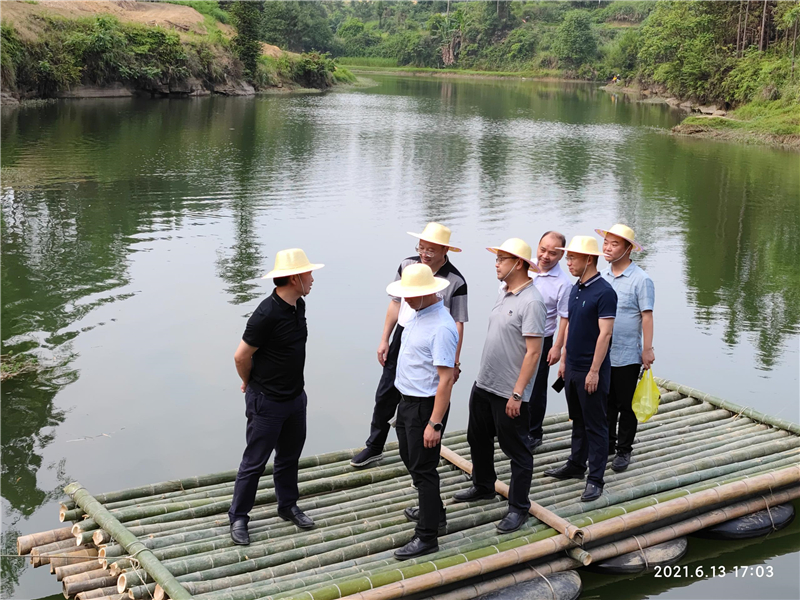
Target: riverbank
765,122
106,50
539,75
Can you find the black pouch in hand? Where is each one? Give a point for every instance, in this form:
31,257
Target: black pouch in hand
558,384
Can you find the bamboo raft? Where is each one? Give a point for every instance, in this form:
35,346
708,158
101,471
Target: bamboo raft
699,462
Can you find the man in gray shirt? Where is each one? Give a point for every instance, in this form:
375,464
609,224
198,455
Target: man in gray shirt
498,405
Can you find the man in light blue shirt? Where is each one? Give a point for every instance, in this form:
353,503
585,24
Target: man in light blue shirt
632,341
425,377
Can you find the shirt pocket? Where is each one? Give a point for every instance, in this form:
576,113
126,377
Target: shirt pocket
628,301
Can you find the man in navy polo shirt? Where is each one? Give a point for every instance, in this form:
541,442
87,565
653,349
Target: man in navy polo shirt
586,367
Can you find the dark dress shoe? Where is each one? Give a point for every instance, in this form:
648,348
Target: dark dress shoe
366,457
239,533
416,547
592,492
512,521
472,494
412,514
621,462
564,472
296,516
534,442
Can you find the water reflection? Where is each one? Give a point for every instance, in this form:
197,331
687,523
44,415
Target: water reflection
88,186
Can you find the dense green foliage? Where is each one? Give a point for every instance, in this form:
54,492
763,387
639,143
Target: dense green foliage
247,20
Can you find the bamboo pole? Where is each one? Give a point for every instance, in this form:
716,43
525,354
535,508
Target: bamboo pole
128,540
538,511
76,569
40,552
72,589
98,593
26,543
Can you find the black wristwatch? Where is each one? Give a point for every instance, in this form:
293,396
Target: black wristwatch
437,427
516,397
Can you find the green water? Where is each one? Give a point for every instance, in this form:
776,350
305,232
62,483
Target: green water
134,233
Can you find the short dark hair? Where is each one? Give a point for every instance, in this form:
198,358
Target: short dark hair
560,237
280,281
596,259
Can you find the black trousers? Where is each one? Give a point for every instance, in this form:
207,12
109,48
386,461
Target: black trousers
589,423
538,404
487,419
386,396
412,418
270,425
620,396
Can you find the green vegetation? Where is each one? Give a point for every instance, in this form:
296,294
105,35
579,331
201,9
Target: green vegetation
367,61
12,365
247,19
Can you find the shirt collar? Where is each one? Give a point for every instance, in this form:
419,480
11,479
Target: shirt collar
519,291
554,272
443,270
589,281
626,273
281,302
429,309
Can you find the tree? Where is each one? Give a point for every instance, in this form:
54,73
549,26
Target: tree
575,41
247,45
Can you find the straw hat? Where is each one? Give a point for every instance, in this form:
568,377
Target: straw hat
436,234
417,280
583,244
518,248
291,262
623,231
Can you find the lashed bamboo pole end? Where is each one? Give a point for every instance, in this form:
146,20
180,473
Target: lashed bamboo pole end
581,555
159,593
122,584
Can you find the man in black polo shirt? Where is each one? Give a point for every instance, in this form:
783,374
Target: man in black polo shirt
270,360
586,367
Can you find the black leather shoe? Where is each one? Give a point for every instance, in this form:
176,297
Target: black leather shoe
239,533
621,462
296,516
592,492
416,547
512,521
412,514
472,494
564,472
366,457
535,442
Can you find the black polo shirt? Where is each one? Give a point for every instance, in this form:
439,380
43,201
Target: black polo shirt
279,331
589,301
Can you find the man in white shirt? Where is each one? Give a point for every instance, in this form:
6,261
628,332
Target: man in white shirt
554,286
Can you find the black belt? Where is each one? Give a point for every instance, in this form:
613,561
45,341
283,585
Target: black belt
417,398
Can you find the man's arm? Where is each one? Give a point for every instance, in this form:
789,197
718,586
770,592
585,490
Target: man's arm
533,350
457,370
600,350
243,357
648,354
562,367
561,338
392,313
440,404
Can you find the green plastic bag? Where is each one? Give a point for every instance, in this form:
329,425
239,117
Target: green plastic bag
646,397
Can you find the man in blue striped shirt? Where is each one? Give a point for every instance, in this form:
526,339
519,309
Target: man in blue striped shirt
632,341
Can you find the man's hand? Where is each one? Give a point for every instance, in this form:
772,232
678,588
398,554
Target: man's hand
592,379
648,358
430,437
512,407
562,367
456,373
383,352
244,387
553,356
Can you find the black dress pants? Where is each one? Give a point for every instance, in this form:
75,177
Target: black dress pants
386,396
620,397
589,423
270,425
487,419
412,419
538,404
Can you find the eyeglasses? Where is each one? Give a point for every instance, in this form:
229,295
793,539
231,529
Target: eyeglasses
500,259
426,253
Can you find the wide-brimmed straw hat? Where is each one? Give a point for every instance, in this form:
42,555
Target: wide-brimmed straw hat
518,248
583,244
291,262
623,231
436,234
417,280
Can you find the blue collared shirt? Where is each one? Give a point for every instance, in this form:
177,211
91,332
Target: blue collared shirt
429,340
554,286
635,293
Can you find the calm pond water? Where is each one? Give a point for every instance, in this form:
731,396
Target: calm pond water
134,233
